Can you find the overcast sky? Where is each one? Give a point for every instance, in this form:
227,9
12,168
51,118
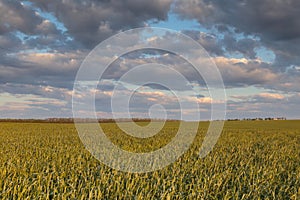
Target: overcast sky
254,43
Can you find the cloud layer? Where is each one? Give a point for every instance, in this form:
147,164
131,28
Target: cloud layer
255,44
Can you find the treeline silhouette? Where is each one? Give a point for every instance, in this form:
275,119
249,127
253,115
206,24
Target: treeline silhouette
83,120
89,120
259,119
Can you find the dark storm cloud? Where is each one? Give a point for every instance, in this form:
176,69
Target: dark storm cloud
209,42
228,43
92,21
23,28
26,35
245,46
8,43
14,16
277,20
277,23
87,22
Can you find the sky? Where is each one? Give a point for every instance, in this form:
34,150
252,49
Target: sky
255,45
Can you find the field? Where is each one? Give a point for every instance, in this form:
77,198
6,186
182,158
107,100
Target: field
252,160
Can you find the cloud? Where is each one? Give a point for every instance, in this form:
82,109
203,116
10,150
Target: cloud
243,72
271,96
26,106
263,97
46,28
15,16
53,69
264,104
90,21
208,41
276,23
10,42
277,20
43,43
245,46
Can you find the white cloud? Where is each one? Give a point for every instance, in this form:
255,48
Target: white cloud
272,96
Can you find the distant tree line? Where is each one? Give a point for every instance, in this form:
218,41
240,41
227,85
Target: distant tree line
259,119
89,120
82,120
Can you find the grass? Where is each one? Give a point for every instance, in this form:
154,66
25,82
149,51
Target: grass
252,160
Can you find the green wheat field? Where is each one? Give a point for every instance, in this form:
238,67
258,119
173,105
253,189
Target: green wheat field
251,160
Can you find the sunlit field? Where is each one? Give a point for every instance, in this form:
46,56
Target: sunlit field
252,160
